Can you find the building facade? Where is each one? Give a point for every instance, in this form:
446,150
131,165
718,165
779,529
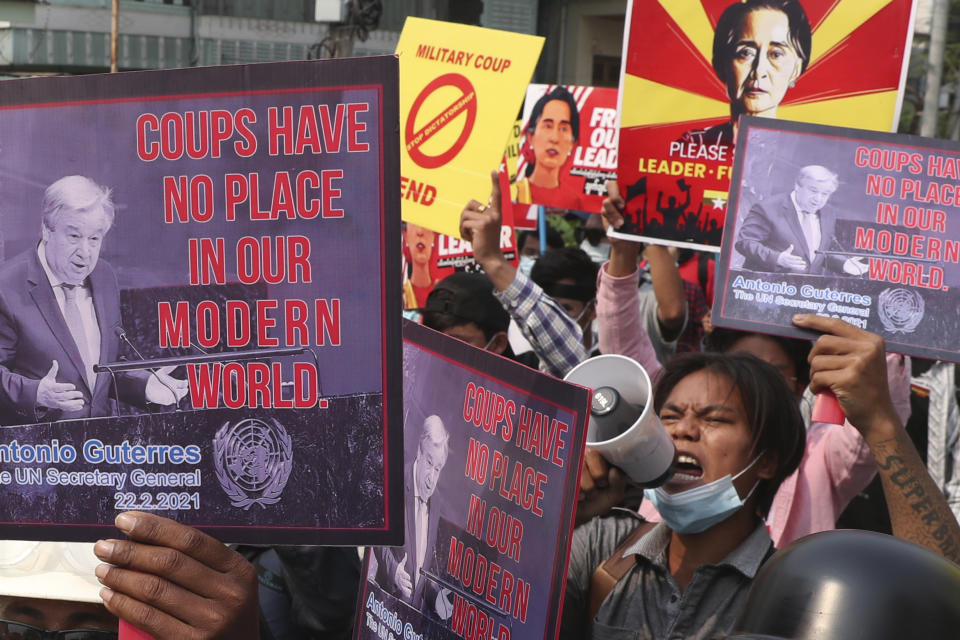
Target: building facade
583,37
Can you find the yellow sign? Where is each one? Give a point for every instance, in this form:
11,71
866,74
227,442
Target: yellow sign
460,90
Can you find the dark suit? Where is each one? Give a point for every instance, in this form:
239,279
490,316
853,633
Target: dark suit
425,590
772,225
33,333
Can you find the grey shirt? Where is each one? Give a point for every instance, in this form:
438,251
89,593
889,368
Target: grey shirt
647,603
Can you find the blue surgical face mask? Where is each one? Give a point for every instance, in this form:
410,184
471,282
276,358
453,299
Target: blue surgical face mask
526,265
700,508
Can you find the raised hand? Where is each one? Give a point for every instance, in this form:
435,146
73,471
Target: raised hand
480,225
850,362
623,253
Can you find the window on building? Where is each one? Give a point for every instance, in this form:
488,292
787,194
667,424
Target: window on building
294,10
606,71
465,11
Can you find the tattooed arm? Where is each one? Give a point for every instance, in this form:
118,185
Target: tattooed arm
850,362
918,511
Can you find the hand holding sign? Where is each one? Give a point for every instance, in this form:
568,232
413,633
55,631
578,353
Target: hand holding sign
623,253
851,363
174,582
613,206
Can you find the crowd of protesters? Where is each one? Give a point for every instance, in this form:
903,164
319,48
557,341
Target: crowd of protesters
752,472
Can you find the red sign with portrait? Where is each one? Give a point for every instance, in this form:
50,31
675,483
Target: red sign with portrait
568,147
692,69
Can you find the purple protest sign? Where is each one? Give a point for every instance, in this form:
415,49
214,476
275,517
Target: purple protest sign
198,309
850,224
493,461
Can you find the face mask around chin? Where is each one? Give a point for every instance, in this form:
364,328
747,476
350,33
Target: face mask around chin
696,510
526,265
586,308
598,253
486,347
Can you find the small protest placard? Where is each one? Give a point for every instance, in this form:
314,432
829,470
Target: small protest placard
493,458
199,313
568,147
692,69
857,225
430,257
462,88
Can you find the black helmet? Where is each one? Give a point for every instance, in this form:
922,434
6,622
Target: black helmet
852,585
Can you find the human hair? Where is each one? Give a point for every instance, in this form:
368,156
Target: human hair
75,193
818,173
557,93
776,425
731,20
461,298
721,340
554,239
569,262
434,432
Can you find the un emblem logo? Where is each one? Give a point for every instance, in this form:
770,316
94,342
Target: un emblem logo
900,310
253,460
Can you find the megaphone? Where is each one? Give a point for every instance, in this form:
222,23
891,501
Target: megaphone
623,426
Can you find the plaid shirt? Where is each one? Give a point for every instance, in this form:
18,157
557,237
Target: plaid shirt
555,336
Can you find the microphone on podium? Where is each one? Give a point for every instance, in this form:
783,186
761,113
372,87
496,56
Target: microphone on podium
119,331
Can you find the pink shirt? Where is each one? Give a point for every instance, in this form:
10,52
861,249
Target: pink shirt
837,463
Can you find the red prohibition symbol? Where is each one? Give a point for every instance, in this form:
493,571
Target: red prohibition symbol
465,102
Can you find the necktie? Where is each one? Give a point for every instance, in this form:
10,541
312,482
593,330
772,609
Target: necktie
71,313
811,232
421,545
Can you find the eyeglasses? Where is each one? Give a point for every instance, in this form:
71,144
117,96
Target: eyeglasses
19,631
